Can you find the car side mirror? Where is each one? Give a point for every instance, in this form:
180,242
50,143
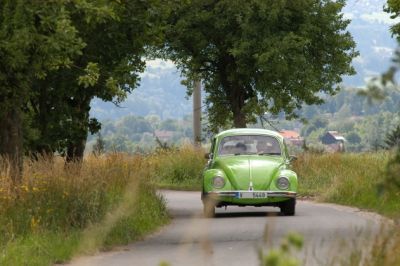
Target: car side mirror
208,156
292,158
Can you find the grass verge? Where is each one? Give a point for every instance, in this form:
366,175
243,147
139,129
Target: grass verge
58,212
348,179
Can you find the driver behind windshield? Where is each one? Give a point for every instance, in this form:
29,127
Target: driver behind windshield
240,148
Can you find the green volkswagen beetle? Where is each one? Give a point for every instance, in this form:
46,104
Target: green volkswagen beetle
249,167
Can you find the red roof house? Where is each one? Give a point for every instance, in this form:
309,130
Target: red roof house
292,137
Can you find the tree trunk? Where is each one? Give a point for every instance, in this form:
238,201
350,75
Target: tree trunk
237,104
239,119
234,92
75,150
11,140
44,148
77,142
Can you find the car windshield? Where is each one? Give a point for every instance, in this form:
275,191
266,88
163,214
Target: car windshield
249,144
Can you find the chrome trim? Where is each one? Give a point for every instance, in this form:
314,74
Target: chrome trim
270,194
250,176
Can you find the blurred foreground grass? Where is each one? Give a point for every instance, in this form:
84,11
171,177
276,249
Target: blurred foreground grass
60,211
384,250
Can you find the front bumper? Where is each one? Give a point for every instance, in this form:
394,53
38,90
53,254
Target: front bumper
235,193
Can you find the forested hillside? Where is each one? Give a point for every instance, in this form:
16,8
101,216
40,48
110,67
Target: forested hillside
160,93
363,123
137,134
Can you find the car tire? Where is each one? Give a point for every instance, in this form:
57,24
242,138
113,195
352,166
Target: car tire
288,207
208,209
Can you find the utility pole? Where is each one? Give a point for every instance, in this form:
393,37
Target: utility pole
197,113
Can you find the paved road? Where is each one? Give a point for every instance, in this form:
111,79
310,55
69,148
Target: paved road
235,235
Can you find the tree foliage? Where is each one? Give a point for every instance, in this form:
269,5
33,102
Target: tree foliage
260,56
115,34
37,37
55,57
353,138
393,138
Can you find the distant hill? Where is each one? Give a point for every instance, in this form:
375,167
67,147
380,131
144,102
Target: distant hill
162,94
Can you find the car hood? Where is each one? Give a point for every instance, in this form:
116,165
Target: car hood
243,169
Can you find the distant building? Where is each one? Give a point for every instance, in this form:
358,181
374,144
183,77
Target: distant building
164,135
292,137
334,141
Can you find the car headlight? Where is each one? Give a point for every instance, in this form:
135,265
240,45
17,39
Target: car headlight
218,182
282,183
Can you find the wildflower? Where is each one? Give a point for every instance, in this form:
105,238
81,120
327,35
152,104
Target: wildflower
34,223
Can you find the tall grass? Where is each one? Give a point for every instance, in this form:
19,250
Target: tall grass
59,211
177,169
100,203
349,179
345,178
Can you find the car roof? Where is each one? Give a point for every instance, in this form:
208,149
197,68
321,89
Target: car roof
248,131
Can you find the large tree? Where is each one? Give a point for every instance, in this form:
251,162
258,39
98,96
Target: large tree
115,34
55,57
36,37
260,56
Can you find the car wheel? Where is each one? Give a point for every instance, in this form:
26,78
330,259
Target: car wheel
208,209
288,207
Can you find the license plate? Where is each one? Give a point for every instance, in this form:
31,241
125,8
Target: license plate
252,195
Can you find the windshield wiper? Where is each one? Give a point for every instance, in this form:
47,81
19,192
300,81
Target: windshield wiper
269,153
244,153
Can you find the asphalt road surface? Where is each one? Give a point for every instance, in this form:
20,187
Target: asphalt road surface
236,234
